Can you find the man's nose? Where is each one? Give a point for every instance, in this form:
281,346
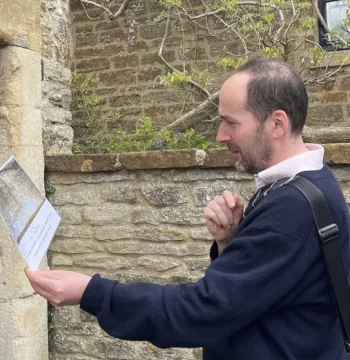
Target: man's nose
222,136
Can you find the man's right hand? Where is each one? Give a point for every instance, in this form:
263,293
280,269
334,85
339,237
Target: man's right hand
223,215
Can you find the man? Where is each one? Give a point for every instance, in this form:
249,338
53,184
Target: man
266,294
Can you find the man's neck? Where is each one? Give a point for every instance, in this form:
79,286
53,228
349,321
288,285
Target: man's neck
285,151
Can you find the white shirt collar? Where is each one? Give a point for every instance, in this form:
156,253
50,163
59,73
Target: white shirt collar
308,161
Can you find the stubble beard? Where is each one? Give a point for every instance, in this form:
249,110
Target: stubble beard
255,158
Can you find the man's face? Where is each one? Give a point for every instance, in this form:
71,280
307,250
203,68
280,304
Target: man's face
245,137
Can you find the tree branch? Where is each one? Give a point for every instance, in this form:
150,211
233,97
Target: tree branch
107,9
160,54
192,117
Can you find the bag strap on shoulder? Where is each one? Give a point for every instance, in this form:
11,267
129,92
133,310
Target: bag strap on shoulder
329,234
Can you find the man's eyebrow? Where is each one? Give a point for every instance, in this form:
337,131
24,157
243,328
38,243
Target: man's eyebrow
228,118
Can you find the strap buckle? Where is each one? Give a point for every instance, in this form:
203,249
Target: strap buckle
329,233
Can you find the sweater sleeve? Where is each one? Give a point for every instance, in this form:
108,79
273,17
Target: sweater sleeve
254,271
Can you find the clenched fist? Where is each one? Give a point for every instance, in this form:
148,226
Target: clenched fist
222,217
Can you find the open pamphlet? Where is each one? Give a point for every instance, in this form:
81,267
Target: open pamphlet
29,217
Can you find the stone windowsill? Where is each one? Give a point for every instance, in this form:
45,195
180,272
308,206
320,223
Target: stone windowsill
170,159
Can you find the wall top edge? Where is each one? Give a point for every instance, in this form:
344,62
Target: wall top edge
169,159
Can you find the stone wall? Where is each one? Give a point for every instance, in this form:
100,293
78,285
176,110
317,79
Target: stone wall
23,316
123,52
139,217
55,52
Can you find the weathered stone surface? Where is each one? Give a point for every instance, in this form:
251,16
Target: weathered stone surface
102,262
81,163
219,158
159,234
70,215
74,231
27,14
198,174
201,234
133,247
78,194
106,214
75,246
61,260
324,115
165,195
203,194
238,175
65,314
160,264
79,328
346,193
113,233
115,192
145,215
158,159
197,263
57,138
182,216
74,178
342,173
337,153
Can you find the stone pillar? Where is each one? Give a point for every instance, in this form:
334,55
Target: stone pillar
23,315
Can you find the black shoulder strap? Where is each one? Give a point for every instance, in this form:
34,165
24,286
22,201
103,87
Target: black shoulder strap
329,234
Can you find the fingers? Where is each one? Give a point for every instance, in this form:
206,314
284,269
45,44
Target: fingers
43,285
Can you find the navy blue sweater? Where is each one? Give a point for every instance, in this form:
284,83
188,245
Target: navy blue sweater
266,297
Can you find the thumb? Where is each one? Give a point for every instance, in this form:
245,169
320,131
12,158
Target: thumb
238,210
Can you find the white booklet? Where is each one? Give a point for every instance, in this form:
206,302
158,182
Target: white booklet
30,218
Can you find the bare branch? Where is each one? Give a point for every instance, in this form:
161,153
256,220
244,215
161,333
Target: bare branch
107,9
121,9
160,54
193,116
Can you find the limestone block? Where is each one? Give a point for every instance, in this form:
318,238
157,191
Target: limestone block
60,260
197,263
112,233
74,178
106,214
78,194
182,216
102,261
151,233
75,231
115,192
75,246
133,247
24,329
165,195
143,215
57,138
198,174
20,21
159,264
206,192
20,77
200,234
70,215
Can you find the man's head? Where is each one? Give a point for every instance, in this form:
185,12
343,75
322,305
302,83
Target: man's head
263,107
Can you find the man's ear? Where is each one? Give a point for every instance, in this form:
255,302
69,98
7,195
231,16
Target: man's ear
280,123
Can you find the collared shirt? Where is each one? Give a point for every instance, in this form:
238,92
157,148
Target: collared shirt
308,161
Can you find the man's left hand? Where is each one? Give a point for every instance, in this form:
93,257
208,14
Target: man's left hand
59,287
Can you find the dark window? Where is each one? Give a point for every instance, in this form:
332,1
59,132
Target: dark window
334,14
